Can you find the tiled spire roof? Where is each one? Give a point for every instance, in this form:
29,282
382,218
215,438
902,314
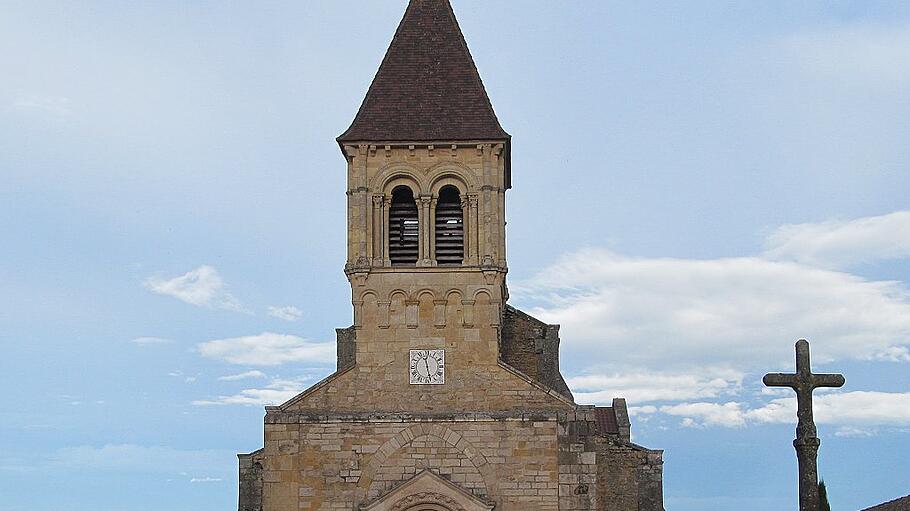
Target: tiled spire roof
427,87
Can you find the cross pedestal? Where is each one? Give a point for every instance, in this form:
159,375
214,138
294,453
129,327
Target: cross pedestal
807,442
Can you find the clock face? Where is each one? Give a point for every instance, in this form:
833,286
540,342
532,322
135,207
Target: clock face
427,367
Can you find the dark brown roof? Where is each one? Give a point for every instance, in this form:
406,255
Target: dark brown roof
605,420
901,504
427,87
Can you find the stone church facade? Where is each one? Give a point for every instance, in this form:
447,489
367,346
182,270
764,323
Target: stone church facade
445,397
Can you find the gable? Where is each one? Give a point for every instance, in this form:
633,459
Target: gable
428,490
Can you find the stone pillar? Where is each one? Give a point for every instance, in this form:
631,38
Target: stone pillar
423,214
411,313
467,311
807,461
431,228
358,313
384,306
473,258
379,228
386,206
465,229
439,313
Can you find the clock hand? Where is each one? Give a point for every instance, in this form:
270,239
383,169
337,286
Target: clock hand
428,367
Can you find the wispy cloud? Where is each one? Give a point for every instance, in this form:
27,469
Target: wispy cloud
858,408
242,376
741,313
202,287
276,392
268,349
148,341
287,313
643,387
206,480
841,244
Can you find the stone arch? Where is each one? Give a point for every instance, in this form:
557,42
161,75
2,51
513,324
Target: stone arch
483,308
454,307
398,302
482,291
454,171
399,293
367,294
425,291
427,502
366,309
397,180
426,299
409,434
394,174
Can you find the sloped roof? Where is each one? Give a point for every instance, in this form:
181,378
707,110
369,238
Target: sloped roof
605,421
427,87
901,504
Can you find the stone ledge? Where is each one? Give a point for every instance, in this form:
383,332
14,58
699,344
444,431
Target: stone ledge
274,415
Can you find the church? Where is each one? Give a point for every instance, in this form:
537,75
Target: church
445,397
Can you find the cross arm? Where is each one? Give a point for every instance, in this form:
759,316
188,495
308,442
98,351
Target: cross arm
780,380
828,380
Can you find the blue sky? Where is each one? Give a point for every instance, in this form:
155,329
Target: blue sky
696,185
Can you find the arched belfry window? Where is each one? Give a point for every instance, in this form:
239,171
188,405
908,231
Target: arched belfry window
404,230
449,227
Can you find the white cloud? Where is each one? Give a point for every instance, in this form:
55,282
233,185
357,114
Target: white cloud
849,431
242,376
205,480
840,244
847,409
201,287
287,313
742,312
864,57
708,414
642,386
275,393
268,349
147,341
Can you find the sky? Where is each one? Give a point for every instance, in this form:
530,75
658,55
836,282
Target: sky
696,186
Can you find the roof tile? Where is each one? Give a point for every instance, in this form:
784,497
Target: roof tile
427,87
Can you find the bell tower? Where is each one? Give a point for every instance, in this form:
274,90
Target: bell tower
428,168
444,397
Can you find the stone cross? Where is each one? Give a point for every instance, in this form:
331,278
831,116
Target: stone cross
807,442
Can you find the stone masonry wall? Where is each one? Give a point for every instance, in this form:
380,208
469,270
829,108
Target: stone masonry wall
250,495
344,462
496,388
346,346
532,346
629,477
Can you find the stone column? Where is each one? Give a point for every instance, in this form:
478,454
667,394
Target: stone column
358,313
431,231
411,313
386,206
423,220
467,312
379,229
475,230
439,313
384,306
807,463
465,230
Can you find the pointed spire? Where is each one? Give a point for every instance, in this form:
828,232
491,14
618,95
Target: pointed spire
427,87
